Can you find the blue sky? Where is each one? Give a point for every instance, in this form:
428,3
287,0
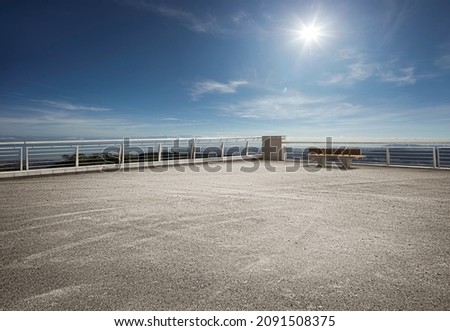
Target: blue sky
306,69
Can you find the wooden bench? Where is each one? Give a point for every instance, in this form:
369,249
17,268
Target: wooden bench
344,155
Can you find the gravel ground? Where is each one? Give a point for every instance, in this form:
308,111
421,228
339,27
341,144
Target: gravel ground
371,238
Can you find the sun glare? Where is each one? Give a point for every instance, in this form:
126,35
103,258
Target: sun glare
310,33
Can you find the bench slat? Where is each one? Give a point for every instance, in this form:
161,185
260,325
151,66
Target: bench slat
335,152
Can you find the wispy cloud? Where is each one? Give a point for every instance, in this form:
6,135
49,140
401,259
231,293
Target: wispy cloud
39,121
239,17
291,105
404,76
170,119
245,23
355,72
359,67
178,120
57,119
208,24
443,62
361,71
396,12
56,122
64,105
200,88
320,116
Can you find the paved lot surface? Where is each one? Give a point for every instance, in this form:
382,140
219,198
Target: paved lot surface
370,238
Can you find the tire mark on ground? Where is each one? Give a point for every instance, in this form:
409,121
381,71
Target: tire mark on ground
8,232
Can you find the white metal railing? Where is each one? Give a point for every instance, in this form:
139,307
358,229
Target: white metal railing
435,154
27,155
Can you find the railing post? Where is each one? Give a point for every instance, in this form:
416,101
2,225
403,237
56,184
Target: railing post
77,156
388,156
246,148
123,151
120,154
222,149
159,151
21,158
192,149
26,158
435,157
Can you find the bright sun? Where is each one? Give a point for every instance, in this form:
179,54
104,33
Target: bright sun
310,33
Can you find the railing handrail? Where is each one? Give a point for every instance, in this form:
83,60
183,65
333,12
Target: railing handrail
371,142
49,142
119,140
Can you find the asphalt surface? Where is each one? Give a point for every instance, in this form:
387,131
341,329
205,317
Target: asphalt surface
371,238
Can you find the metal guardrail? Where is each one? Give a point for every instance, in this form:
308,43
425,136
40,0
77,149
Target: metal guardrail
417,154
28,155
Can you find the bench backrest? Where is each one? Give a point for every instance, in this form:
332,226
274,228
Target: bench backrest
337,151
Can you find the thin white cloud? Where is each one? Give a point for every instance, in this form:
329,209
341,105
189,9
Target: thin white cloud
291,105
64,105
358,67
177,120
170,119
208,25
350,54
396,13
200,88
39,121
26,121
361,71
333,79
354,73
443,62
332,115
239,17
402,77
60,120
245,23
